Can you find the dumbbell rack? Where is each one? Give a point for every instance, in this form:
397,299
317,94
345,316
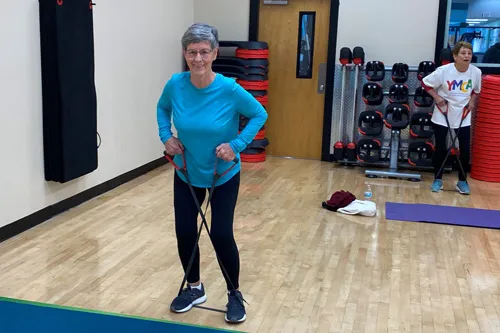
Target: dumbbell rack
248,64
405,148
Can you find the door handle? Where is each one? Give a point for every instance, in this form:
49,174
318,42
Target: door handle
322,78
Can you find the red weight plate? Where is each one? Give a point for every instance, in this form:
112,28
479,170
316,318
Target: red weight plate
485,107
485,178
492,163
492,120
484,102
492,172
480,132
480,149
489,87
486,83
486,161
480,164
491,78
260,135
480,141
254,85
485,128
479,145
248,158
483,167
486,158
488,105
490,154
488,111
483,159
489,95
482,127
486,175
263,99
252,54
484,144
487,115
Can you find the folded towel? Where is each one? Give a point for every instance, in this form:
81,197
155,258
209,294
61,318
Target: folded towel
361,207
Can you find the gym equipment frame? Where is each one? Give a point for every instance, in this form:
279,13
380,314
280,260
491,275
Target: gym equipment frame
394,142
393,171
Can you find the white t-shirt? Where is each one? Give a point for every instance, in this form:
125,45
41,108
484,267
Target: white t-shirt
455,87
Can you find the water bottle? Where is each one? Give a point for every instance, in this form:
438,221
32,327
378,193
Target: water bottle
368,192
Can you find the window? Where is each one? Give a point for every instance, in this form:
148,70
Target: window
305,45
476,22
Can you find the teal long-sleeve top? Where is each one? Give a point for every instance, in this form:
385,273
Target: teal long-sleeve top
205,118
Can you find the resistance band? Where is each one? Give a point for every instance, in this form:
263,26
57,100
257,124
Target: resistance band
465,113
184,172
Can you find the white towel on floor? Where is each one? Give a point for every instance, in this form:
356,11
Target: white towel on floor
361,207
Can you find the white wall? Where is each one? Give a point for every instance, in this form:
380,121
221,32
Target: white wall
137,48
231,27
397,33
389,30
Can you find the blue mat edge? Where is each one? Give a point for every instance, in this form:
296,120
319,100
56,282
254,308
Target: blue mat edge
428,204
436,222
71,308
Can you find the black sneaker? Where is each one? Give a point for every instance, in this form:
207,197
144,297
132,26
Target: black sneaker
235,307
188,297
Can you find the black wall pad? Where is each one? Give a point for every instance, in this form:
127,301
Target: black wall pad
68,89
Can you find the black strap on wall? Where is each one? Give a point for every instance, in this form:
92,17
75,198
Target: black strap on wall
68,89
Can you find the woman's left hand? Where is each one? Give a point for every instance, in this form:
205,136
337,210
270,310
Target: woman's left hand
225,152
470,107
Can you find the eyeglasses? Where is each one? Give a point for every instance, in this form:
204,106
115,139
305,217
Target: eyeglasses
205,53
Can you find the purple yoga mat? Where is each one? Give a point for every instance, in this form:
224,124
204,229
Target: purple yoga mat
472,217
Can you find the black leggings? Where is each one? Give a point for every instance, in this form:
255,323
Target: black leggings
440,133
223,203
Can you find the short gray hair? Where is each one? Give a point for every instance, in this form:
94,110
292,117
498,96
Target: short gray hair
200,32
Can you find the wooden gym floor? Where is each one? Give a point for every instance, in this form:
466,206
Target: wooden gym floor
303,268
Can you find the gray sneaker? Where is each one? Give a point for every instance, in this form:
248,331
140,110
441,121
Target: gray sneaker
188,297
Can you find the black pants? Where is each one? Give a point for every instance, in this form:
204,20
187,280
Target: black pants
223,203
463,141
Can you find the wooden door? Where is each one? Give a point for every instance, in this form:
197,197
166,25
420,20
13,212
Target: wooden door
296,104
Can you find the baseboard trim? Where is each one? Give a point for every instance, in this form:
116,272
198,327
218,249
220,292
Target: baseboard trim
32,220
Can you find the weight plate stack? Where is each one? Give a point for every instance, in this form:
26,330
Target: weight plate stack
256,151
249,65
485,134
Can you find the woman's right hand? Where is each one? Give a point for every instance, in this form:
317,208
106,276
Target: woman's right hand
440,101
173,146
